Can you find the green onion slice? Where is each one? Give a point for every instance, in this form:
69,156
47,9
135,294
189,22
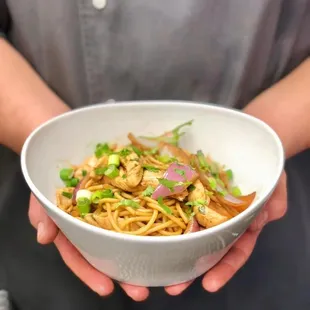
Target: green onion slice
66,174
83,205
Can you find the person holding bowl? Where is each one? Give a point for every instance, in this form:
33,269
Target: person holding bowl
252,56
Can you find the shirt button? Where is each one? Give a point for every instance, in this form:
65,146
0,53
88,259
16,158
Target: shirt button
99,4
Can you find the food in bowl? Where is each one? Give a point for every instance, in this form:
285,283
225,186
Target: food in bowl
151,187
246,145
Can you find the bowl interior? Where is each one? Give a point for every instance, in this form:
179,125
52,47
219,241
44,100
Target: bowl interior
247,146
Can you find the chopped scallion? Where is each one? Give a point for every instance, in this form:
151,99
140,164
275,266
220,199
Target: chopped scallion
83,205
112,172
98,195
84,172
236,191
114,159
66,174
108,193
72,183
67,195
100,170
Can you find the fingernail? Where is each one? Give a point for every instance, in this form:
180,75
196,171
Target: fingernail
212,286
40,232
101,290
262,220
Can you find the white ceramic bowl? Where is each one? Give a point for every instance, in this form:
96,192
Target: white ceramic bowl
245,144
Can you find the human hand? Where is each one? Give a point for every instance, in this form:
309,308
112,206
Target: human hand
237,256
97,281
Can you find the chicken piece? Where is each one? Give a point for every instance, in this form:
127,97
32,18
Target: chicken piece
199,193
103,221
134,170
63,202
120,181
150,178
130,174
180,196
102,161
80,172
207,217
92,161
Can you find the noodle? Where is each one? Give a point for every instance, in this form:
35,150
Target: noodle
116,189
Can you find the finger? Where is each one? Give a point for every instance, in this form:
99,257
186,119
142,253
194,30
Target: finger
260,221
277,205
275,208
97,281
178,289
219,275
137,293
47,230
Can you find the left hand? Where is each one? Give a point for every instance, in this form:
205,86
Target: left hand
95,280
237,256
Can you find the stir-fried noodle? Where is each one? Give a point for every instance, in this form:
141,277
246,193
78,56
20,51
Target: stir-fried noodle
150,187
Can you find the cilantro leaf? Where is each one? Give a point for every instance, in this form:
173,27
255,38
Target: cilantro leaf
129,203
163,206
148,192
150,168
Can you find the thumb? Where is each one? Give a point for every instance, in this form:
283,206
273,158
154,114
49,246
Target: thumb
47,230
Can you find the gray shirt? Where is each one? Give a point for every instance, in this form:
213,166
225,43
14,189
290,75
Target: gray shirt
221,51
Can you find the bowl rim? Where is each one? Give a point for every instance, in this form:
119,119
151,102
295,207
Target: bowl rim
154,239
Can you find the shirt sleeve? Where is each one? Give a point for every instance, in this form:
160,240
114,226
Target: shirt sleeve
4,18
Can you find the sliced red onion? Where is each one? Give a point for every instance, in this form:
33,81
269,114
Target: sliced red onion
239,203
79,186
192,226
172,175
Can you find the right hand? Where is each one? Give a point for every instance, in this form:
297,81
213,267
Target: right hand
48,232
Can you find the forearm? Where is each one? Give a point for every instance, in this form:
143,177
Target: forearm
25,100
286,108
